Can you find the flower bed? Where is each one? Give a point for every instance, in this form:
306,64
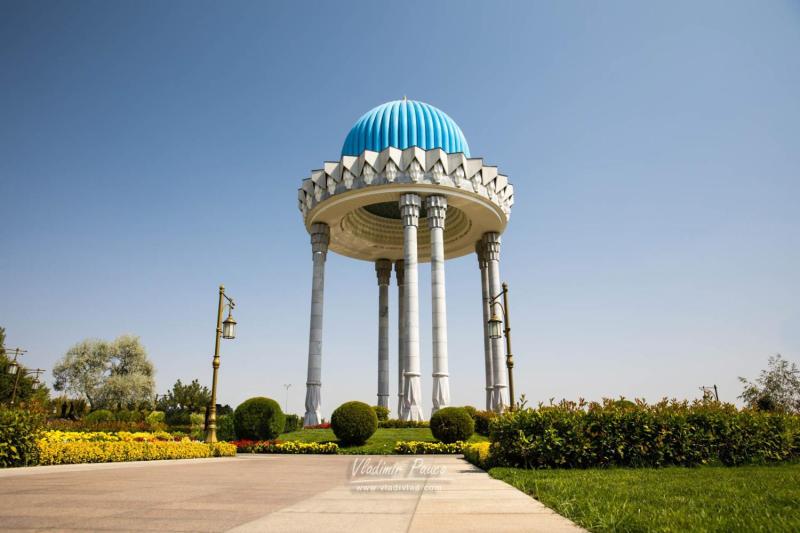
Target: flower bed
70,447
419,448
289,447
326,425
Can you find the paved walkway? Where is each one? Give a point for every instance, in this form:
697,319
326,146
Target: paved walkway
281,493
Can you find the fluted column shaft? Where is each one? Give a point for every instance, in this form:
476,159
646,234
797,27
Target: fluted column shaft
320,237
491,242
383,268
412,397
437,212
399,270
487,342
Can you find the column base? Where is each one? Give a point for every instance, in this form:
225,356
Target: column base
412,409
500,394
441,392
313,414
489,398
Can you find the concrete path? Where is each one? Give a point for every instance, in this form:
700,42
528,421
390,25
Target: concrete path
281,493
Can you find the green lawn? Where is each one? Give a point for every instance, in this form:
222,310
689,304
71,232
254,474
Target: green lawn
747,498
382,442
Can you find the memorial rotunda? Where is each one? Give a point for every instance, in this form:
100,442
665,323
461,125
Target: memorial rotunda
406,191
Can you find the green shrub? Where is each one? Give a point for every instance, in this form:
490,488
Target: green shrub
292,423
197,420
354,422
452,424
225,430
19,431
178,418
124,415
381,412
570,435
100,416
471,411
258,419
157,420
482,421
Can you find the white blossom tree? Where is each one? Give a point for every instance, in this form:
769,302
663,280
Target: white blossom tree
108,374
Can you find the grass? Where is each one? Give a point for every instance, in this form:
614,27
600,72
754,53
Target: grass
747,498
381,443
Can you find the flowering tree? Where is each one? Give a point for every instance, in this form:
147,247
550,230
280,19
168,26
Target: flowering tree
108,374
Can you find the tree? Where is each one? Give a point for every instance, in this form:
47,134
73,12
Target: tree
191,398
109,375
777,388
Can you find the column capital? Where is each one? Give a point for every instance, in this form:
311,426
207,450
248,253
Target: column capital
383,268
480,252
400,271
320,238
491,243
409,209
436,205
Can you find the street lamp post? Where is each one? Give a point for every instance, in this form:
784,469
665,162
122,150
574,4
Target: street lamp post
15,369
286,403
225,330
495,332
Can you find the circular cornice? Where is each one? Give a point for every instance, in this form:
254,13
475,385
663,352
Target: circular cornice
479,200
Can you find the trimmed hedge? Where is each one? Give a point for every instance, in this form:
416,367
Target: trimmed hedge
225,430
381,412
19,431
292,423
354,422
452,424
258,419
614,433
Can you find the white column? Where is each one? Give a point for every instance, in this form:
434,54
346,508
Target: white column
491,242
487,342
412,397
437,212
320,236
399,270
383,268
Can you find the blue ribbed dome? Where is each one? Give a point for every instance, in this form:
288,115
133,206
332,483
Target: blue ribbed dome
405,123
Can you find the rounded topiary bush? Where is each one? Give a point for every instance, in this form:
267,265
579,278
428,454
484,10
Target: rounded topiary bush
452,424
354,422
471,411
258,419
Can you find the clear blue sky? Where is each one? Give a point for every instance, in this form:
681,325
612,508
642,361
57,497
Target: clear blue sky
152,150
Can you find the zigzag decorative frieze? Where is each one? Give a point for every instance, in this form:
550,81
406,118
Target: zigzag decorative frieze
412,165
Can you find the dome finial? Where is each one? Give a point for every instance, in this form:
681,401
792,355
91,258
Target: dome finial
404,98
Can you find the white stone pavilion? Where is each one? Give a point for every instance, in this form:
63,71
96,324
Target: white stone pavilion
406,191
